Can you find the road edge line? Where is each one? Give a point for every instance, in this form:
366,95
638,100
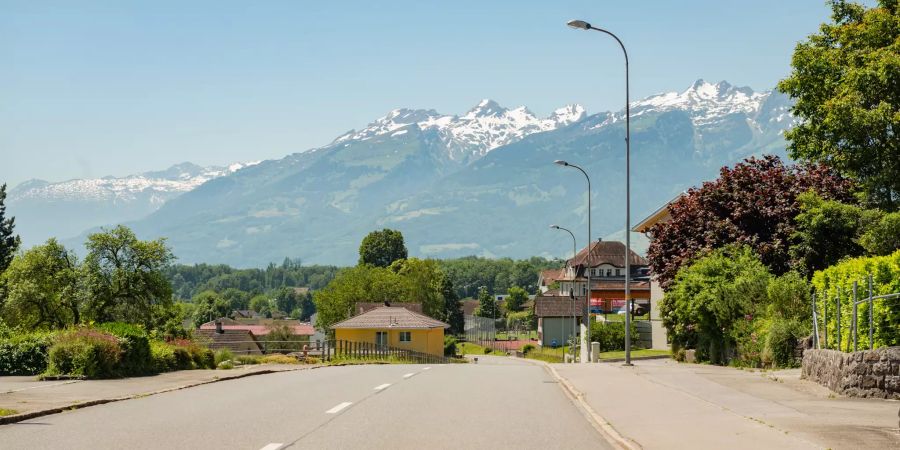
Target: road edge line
612,436
15,418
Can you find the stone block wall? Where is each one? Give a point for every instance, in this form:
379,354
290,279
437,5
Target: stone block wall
868,373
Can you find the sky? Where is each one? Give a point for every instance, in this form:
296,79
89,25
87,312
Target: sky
96,88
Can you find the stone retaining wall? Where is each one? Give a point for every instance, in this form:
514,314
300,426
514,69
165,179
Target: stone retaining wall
868,373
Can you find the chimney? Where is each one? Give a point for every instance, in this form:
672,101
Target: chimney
219,329
599,239
387,303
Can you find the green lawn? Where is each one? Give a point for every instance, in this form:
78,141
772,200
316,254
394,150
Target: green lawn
468,348
621,317
635,354
555,355
503,335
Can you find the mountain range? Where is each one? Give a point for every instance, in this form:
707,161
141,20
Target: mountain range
480,183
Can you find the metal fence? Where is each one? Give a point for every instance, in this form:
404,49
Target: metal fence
820,337
342,349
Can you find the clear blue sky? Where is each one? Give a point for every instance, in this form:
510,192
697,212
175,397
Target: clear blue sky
93,88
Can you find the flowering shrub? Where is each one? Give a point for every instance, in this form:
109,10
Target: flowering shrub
86,352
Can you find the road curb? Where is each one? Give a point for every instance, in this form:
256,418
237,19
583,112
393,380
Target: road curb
46,412
600,423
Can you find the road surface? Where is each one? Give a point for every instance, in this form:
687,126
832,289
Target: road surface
497,403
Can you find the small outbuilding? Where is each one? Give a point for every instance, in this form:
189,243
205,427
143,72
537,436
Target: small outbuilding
395,327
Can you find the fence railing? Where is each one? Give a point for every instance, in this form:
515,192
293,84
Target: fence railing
856,300
339,349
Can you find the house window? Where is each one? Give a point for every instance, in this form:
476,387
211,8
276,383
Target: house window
381,338
608,272
618,272
405,336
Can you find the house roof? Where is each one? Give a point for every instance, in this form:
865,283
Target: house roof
557,306
606,252
469,307
390,317
238,341
660,215
362,307
550,275
260,327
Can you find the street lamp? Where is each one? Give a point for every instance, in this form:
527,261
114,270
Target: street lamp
586,318
574,253
582,25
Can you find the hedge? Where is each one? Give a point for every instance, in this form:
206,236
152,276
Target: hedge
85,352
136,358
25,354
885,272
611,335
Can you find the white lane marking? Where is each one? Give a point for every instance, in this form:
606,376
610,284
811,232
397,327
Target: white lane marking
427,368
272,446
338,408
408,375
382,386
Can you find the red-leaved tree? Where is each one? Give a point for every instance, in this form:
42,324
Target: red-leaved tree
753,203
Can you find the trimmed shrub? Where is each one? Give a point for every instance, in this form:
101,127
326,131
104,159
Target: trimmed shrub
223,355
25,354
449,346
527,348
85,352
162,357
611,335
248,359
197,357
136,358
278,359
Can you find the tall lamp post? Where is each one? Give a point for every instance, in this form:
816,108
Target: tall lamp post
582,25
574,254
585,353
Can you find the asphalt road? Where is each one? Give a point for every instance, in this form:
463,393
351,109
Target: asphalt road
497,403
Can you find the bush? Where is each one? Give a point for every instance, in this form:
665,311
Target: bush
611,335
223,355
450,346
784,337
248,359
487,350
162,357
136,358
191,355
312,360
527,348
225,365
85,352
278,359
25,354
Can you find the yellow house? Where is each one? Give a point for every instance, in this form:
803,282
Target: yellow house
394,327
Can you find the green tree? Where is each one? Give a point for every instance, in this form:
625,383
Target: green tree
516,298
487,306
883,236
9,241
845,84
286,299
43,290
209,305
453,313
261,304
237,298
826,231
364,283
125,278
711,302
421,281
381,248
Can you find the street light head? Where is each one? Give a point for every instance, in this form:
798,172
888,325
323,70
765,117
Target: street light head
555,227
579,25
560,162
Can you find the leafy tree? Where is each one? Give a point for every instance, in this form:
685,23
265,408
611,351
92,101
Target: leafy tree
209,305
287,299
712,299
487,307
516,298
364,283
125,278
498,275
261,304
883,236
43,290
9,241
826,231
754,203
422,282
845,84
307,307
453,313
381,248
236,298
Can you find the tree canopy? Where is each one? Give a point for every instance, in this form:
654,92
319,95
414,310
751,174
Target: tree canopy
381,248
753,203
9,241
845,83
43,288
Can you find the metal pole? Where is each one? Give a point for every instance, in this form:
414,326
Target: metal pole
815,323
871,313
825,317
837,330
854,322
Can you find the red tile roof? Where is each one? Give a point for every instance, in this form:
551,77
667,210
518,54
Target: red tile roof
390,317
607,252
298,328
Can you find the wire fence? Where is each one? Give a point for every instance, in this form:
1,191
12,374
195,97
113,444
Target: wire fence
833,302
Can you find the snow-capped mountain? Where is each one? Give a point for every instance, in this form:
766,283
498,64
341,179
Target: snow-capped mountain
470,136
705,101
44,209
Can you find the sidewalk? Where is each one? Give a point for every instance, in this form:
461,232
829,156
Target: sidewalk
663,404
31,398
